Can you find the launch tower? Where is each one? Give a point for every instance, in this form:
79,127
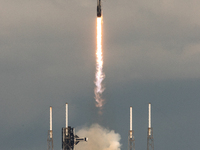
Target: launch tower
50,133
69,139
131,139
150,144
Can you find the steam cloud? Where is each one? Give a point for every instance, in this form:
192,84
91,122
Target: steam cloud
99,139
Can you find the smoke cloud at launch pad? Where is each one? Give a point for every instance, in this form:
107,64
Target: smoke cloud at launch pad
100,138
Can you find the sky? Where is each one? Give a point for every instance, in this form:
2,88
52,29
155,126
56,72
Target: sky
151,52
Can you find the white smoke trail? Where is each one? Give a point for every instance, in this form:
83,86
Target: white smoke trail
99,138
99,77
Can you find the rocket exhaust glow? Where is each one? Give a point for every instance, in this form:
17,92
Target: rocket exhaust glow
99,76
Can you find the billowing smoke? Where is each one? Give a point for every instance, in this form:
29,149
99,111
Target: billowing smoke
99,138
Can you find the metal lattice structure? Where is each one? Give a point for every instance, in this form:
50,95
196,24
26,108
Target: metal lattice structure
131,142
50,140
67,138
150,143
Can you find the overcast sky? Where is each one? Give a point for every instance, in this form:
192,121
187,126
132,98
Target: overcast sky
151,52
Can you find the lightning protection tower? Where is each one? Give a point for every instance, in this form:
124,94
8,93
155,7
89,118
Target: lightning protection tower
150,144
50,134
131,139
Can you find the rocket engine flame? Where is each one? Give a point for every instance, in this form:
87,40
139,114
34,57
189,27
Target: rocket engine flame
99,76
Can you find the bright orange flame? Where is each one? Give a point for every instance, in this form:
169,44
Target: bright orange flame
99,66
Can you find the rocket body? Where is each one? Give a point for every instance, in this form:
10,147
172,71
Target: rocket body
98,8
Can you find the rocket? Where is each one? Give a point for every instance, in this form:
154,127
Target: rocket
98,8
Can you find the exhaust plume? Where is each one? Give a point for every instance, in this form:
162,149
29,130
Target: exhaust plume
99,138
99,76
